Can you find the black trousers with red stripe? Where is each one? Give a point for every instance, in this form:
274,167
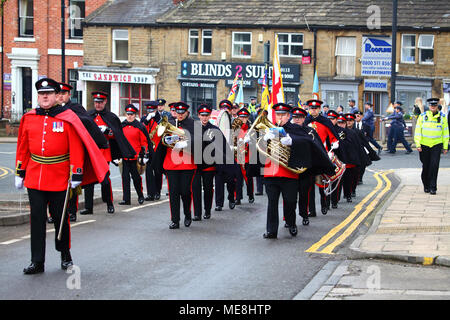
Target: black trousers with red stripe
180,187
130,168
205,179
240,183
305,186
39,201
107,194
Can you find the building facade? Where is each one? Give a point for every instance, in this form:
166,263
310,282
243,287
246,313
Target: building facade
32,48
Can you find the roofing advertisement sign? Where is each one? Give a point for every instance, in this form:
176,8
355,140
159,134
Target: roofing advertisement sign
376,55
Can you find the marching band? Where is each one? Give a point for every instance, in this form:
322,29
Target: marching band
296,152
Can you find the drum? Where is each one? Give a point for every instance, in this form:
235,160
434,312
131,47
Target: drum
325,181
222,119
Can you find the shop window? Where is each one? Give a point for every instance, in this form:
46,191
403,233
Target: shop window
408,48
75,96
120,46
206,42
345,56
338,98
426,48
290,44
136,94
193,41
242,44
26,18
408,99
195,96
76,17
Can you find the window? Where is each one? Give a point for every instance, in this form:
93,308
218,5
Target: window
26,18
75,96
194,96
290,44
242,44
193,41
137,94
120,46
206,42
345,56
339,98
426,51
408,48
76,17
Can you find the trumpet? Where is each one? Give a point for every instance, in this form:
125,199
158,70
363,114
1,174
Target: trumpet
166,129
275,150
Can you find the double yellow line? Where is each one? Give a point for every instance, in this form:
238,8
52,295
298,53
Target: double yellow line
358,208
5,171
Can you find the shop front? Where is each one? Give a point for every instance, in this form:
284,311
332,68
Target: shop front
135,86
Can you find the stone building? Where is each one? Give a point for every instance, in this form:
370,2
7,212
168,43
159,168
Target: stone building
191,50
31,48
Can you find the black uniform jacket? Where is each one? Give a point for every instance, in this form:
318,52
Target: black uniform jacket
120,147
373,156
350,150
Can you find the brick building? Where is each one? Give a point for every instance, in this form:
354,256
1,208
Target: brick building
192,51
32,48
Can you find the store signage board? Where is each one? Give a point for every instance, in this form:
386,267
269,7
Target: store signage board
376,53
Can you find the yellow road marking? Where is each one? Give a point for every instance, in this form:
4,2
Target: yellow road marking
356,210
329,249
5,171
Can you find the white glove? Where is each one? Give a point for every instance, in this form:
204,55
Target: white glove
246,138
146,160
287,141
335,145
269,136
103,128
115,162
19,183
74,184
171,139
150,115
180,145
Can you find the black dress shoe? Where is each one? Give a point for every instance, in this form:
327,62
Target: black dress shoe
110,208
305,221
251,199
66,260
231,204
313,214
149,198
34,267
238,202
86,211
123,203
187,222
258,194
157,196
334,205
293,230
141,200
73,217
207,216
353,194
432,191
174,225
324,210
426,190
197,218
50,220
269,235
218,208
349,199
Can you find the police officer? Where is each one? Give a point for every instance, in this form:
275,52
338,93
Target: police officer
51,165
138,137
396,132
161,109
431,138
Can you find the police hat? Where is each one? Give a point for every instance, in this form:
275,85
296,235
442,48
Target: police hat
399,108
225,104
151,105
204,110
298,112
358,112
282,107
252,98
131,109
65,86
433,101
332,114
399,103
47,85
99,96
243,112
313,104
161,102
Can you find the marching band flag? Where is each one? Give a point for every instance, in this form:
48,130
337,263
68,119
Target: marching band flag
277,82
240,94
315,92
265,97
232,93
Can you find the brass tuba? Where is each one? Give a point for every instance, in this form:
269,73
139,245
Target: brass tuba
165,128
238,146
275,150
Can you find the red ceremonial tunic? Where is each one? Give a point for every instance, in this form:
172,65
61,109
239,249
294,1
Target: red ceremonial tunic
106,152
274,170
323,132
136,138
242,134
150,127
178,160
47,139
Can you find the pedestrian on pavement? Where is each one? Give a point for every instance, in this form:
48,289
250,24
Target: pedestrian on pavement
369,125
396,133
49,167
431,138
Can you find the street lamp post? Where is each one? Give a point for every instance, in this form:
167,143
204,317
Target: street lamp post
394,49
63,42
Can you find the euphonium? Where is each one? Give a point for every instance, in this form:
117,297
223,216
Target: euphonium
165,128
275,150
238,146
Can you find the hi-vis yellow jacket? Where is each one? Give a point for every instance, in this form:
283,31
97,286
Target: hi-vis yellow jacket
432,130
